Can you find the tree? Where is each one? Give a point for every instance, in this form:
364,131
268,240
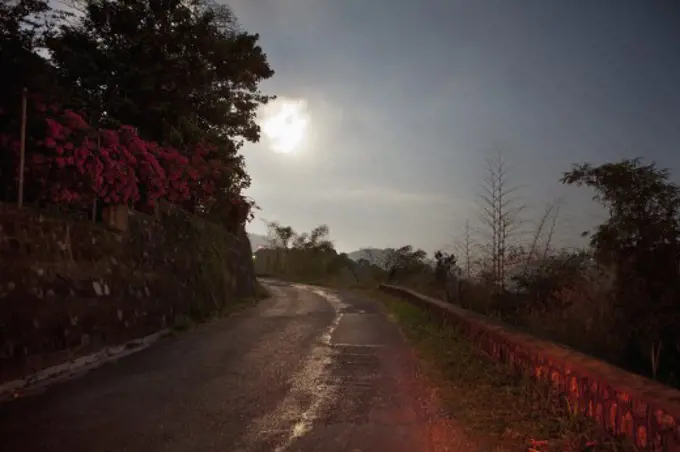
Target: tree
444,266
467,246
403,260
280,236
544,232
500,215
285,237
641,240
72,163
180,76
24,27
180,71
318,239
177,69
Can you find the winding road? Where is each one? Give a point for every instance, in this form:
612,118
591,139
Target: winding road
307,369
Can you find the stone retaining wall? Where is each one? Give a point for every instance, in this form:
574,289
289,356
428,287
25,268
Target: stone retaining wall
621,402
69,288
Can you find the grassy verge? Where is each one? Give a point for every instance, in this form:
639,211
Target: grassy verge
487,398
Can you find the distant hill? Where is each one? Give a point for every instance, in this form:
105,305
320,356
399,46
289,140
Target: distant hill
257,240
372,255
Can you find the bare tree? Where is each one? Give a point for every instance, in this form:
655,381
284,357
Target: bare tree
467,249
500,215
545,229
464,247
551,228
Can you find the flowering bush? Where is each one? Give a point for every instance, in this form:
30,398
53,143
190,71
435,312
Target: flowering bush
70,162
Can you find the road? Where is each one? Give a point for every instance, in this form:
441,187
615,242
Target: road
308,369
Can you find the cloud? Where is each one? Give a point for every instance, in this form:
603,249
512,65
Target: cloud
384,195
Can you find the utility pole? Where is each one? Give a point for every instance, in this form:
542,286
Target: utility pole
22,148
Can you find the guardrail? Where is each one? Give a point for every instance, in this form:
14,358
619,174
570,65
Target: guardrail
621,402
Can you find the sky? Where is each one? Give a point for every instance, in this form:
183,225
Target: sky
403,100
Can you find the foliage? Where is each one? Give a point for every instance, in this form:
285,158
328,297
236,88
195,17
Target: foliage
174,86
285,237
403,261
500,217
72,163
445,266
279,236
641,239
25,25
617,300
540,284
181,71
311,258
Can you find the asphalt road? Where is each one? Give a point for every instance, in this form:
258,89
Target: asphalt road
308,369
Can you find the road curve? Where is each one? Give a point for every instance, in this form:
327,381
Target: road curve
308,369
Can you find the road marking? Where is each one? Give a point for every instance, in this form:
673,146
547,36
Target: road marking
311,383
345,345
323,390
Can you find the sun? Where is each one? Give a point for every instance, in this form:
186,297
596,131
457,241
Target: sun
284,124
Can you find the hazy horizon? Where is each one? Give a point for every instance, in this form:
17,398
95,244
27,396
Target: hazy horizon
403,100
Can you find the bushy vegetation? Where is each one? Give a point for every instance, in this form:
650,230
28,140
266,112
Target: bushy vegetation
617,299
308,257
129,103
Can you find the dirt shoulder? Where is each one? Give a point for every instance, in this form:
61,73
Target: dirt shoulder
503,410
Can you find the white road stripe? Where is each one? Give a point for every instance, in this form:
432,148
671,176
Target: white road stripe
312,382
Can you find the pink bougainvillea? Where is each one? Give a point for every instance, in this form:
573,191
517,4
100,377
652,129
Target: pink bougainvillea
74,164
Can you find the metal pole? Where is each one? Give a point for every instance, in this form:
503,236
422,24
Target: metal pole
22,148
94,203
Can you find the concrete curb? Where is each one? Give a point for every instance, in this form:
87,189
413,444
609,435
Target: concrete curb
39,381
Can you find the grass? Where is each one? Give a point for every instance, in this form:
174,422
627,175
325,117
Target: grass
487,398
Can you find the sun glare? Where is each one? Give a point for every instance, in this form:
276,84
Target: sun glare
284,124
